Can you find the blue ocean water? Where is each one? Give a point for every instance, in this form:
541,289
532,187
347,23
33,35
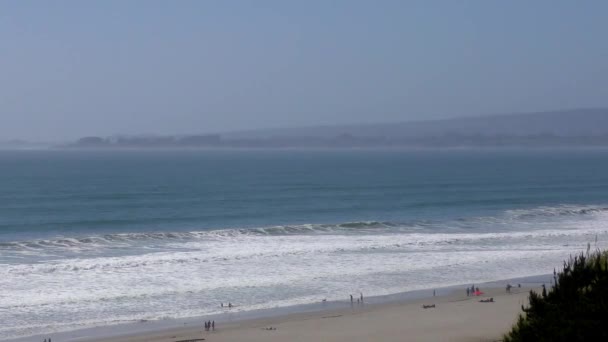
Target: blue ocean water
92,238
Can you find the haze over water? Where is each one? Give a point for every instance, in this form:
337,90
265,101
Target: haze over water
93,238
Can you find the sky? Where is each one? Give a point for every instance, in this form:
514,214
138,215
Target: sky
77,68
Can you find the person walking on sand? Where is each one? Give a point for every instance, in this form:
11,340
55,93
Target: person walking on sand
361,297
213,325
351,298
468,291
433,293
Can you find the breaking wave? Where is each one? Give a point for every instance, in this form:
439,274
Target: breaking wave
348,228
130,238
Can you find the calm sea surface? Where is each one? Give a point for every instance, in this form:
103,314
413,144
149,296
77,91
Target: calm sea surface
97,238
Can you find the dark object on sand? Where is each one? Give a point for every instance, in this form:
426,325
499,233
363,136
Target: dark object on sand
192,340
489,300
428,306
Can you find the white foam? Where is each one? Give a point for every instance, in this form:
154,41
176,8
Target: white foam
189,274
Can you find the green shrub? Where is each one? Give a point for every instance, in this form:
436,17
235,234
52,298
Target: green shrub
575,309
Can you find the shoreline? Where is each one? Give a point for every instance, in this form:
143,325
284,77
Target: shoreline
227,324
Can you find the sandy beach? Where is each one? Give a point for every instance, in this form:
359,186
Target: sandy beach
455,317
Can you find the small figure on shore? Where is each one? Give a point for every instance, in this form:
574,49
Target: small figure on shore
361,297
519,285
433,293
221,305
468,291
206,326
229,304
351,298
472,290
509,288
213,325
477,289
358,301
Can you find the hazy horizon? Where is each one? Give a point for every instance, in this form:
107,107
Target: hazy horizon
74,69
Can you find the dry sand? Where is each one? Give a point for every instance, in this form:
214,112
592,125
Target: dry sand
455,318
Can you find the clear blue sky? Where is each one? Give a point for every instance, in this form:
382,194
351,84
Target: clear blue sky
73,68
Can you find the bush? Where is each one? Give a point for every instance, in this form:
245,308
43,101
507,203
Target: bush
575,309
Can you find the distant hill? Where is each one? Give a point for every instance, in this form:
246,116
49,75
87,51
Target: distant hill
565,123
570,128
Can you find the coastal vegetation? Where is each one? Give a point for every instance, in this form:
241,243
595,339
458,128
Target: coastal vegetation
574,309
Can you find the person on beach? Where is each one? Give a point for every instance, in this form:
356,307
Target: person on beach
221,305
509,288
468,291
213,325
361,297
472,290
351,298
229,304
433,293
206,328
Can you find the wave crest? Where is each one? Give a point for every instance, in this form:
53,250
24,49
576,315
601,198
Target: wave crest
360,227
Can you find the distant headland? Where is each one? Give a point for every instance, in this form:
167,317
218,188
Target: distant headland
566,128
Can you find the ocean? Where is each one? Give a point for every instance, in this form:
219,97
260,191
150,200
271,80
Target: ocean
94,238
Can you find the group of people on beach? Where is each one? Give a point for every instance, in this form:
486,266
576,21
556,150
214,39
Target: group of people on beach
229,305
49,339
359,300
472,291
209,325
509,287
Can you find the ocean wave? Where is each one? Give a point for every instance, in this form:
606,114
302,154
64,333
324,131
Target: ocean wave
361,227
562,210
209,253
